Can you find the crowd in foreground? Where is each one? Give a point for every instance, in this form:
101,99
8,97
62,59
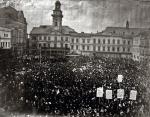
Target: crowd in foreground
69,87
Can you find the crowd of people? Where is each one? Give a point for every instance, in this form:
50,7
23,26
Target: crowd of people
69,86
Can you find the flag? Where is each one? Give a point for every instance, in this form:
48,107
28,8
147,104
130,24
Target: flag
108,94
120,93
133,94
99,92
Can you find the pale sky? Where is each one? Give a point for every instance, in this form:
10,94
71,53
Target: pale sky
88,15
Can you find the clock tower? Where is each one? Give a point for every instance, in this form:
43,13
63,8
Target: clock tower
57,16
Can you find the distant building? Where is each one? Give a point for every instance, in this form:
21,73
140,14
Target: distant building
59,39
141,46
14,20
101,45
52,39
5,38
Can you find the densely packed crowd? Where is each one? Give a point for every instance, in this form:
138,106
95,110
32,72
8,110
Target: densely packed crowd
58,87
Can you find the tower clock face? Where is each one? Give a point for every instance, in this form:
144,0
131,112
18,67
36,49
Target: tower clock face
57,6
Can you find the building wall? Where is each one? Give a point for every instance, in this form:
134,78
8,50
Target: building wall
15,20
101,45
5,38
141,48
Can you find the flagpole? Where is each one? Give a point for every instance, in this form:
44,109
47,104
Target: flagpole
40,55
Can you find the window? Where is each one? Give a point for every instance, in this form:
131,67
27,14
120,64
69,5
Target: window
49,38
8,44
71,46
108,41
83,47
72,40
44,44
40,38
5,44
113,41
66,45
62,39
88,47
108,48
103,48
128,49
99,48
5,35
94,41
66,38
77,40
61,45
118,41
128,42
113,49
103,41
48,45
77,47
94,48
45,38
124,49
55,38
88,41
83,40
55,23
99,41
55,45
124,41
118,49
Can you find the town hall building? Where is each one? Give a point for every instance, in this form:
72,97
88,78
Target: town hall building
57,39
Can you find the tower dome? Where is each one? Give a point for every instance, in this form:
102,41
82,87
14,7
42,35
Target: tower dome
57,5
58,2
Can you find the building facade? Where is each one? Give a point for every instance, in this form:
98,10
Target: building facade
5,38
14,20
141,46
56,38
52,39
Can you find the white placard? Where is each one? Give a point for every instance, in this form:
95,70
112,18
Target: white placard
133,94
100,92
108,94
120,93
120,78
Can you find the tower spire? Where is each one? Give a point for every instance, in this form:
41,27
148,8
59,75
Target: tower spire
57,15
127,24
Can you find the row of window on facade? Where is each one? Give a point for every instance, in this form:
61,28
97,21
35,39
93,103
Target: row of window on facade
5,45
103,48
48,38
53,45
122,33
5,35
104,41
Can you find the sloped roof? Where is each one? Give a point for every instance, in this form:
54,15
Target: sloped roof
48,29
12,13
8,12
127,31
145,34
82,34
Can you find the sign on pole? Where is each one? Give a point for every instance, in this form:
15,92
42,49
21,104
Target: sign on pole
133,94
99,92
120,78
108,94
120,93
